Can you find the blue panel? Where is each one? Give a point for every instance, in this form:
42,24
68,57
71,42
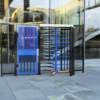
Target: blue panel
27,45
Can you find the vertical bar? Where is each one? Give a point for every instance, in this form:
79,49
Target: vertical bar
49,44
61,48
56,50
8,42
36,48
67,33
27,63
24,63
49,11
34,38
20,37
49,23
30,37
21,63
27,37
64,49
30,63
84,39
24,45
1,45
33,63
39,50
70,52
73,50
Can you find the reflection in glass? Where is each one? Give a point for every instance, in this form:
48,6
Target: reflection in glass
29,11
70,12
4,44
3,10
11,44
92,33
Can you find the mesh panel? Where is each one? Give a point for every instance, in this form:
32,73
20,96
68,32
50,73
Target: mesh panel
27,63
27,38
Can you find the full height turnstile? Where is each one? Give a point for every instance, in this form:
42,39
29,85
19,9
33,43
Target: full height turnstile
51,44
57,48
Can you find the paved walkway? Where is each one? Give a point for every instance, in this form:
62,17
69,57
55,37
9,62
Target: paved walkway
82,86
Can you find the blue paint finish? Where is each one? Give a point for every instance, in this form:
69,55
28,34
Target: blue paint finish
30,63
30,37
27,63
24,63
21,63
29,51
54,56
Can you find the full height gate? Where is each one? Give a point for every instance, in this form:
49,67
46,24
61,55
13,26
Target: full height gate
27,49
57,47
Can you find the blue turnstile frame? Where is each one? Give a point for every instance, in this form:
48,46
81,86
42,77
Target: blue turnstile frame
23,52
54,59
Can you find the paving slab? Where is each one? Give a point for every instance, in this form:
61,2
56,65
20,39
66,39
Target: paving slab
43,84
37,79
18,83
48,91
63,82
29,94
90,83
88,95
2,81
5,91
74,87
67,96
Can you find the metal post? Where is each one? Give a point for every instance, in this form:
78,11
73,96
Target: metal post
49,11
39,51
56,50
73,31
61,48
1,45
83,39
70,52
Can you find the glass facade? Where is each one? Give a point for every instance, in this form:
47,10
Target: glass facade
29,11
3,10
92,29
15,12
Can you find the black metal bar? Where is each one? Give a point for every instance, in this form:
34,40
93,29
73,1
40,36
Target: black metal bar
64,51
39,61
50,11
61,48
83,40
73,50
15,49
49,43
1,45
70,52
46,29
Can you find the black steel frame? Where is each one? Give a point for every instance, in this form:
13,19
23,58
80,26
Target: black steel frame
72,32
